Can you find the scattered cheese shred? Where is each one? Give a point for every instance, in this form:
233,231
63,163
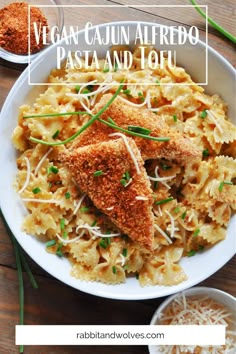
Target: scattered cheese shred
43,201
27,175
172,232
162,180
129,150
163,233
214,120
79,204
37,168
140,197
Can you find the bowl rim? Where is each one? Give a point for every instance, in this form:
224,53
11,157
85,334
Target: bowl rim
104,293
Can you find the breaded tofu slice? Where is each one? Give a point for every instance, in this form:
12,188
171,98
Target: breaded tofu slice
179,148
128,207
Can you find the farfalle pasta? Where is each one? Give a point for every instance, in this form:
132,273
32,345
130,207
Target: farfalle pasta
192,199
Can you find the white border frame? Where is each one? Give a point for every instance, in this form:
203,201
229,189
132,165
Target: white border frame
119,6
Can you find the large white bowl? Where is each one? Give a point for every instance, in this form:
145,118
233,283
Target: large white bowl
199,267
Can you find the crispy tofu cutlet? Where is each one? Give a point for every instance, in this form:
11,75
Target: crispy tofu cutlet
107,173
178,148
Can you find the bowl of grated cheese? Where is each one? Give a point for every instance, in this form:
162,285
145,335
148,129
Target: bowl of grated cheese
198,306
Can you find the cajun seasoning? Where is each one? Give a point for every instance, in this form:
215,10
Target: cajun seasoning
14,28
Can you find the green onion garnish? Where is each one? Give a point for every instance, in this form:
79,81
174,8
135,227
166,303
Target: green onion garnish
125,267
163,201
67,195
137,276
205,153
85,91
36,190
98,173
127,92
52,169
77,88
191,253
213,23
175,118
114,269
105,242
123,182
50,243
203,114
165,167
55,114
106,70
55,135
196,232
94,223
140,130
223,183
157,82
125,252
110,120
59,252
62,224
116,127
140,94
155,185
84,209
125,178
115,67
85,126
176,210
183,216
65,234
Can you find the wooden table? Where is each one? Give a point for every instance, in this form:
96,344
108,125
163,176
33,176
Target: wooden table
54,302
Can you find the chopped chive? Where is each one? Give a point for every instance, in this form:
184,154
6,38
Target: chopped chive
155,185
163,201
191,253
126,175
165,167
175,118
140,94
183,216
115,67
84,209
65,234
114,269
223,183
157,82
85,126
55,135
176,210
106,70
108,240
98,173
125,267
104,242
67,195
203,114
55,114
77,88
125,252
116,127
50,243
137,276
205,153
196,232
94,223
36,190
139,130
62,224
123,182
59,252
111,121
52,169
85,91
127,92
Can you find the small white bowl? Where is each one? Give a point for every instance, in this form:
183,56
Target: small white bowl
219,296
55,17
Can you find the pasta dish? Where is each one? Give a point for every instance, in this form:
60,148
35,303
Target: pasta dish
126,173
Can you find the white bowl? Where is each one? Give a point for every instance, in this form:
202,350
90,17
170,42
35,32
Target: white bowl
197,268
218,295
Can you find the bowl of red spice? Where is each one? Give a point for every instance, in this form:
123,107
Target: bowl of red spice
24,28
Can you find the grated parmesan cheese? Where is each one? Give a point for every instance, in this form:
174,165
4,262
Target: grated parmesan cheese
213,119
129,150
140,197
163,233
79,204
37,168
43,201
162,180
172,232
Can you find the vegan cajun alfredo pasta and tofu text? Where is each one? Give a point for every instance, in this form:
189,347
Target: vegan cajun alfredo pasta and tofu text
125,178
